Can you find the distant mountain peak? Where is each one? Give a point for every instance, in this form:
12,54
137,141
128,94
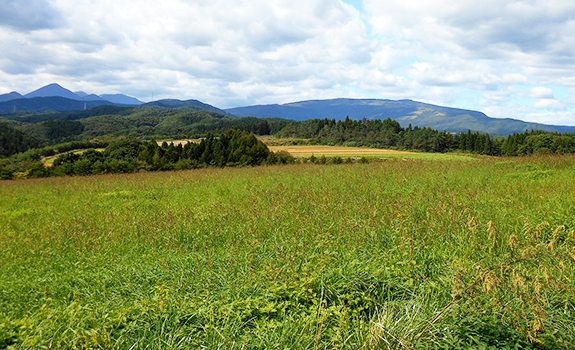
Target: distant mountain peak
53,97
53,90
56,90
10,96
121,99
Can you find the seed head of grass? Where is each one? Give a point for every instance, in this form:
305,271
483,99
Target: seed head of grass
517,280
493,233
490,281
513,242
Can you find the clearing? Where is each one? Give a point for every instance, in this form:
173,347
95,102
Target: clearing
345,152
306,151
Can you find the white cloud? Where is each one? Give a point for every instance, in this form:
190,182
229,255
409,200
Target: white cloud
549,103
542,92
196,48
489,48
550,117
500,96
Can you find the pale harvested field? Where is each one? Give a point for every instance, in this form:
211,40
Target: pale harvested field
334,151
49,161
179,142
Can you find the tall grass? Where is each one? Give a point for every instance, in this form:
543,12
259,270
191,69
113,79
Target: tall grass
425,254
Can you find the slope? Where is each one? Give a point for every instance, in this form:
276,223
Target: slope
187,104
404,111
135,122
48,104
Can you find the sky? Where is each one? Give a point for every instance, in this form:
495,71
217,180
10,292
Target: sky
508,59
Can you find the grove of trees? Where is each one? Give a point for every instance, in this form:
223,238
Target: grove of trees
231,148
389,133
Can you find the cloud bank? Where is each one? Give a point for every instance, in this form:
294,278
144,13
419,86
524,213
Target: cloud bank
506,58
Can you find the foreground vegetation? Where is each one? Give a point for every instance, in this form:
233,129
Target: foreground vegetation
398,254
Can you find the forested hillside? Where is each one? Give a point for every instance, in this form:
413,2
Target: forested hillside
109,122
14,141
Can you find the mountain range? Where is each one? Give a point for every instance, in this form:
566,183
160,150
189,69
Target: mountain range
406,112
55,90
55,98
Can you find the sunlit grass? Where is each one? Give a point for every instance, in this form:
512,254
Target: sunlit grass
438,254
307,151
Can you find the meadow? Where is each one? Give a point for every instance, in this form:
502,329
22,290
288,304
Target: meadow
307,151
425,254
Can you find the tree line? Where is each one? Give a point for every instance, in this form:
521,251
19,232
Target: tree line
230,149
389,133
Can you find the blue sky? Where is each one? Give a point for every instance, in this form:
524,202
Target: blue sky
505,58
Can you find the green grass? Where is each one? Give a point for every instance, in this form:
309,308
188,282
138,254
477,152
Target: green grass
438,255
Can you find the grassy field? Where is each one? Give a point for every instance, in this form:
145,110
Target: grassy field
307,151
318,150
299,149
386,255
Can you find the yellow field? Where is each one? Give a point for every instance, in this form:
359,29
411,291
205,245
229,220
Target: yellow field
179,142
49,161
305,151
